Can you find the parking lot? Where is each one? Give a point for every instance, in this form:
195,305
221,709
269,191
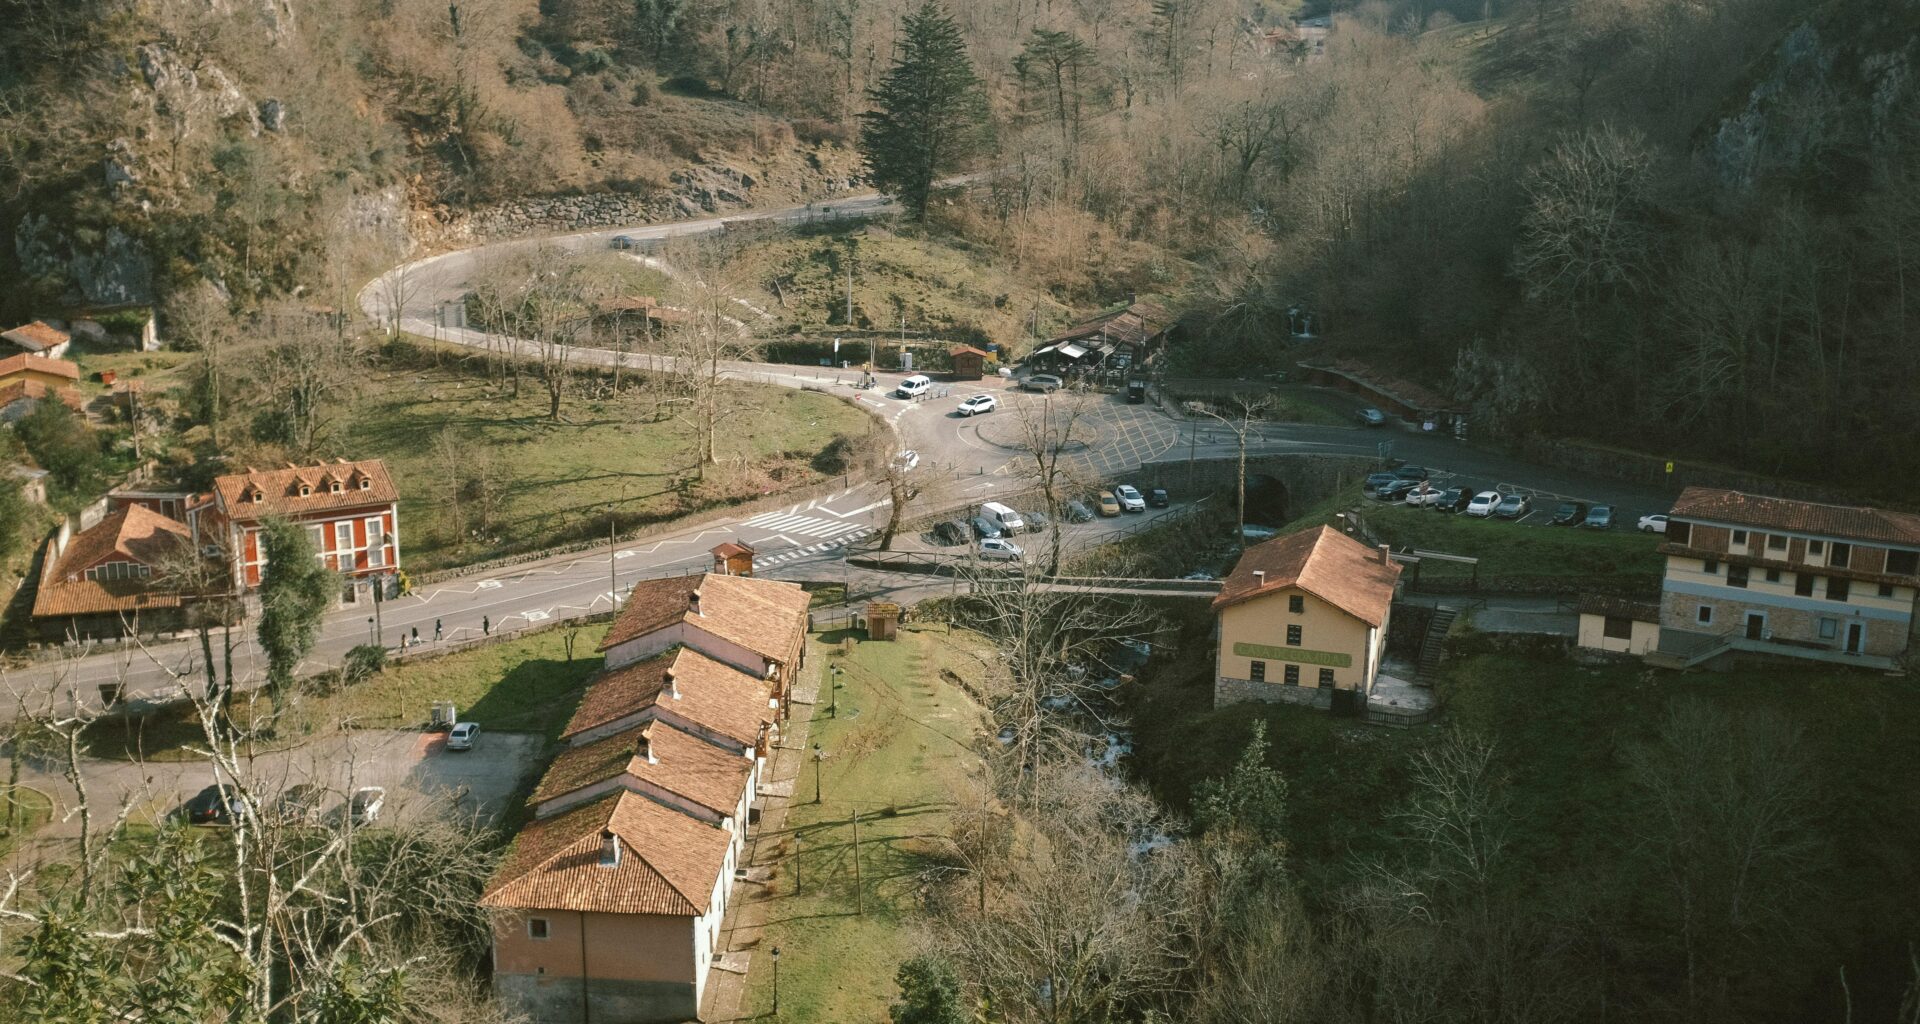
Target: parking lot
420,777
1542,505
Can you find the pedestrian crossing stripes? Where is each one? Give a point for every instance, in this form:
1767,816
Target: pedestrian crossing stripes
788,556
806,526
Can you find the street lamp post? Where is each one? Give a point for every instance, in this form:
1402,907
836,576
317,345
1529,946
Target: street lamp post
776,981
833,697
817,755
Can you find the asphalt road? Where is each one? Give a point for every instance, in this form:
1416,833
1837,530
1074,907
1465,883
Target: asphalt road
807,539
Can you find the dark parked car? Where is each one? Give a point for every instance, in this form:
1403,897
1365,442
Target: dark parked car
1158,498
215,805
623,242
1371,417
1375,481
984,528
1410,473
1570,513
1396,490
1454,500
1600,518
1513,506
300,803
1078,512
1037,522
950,531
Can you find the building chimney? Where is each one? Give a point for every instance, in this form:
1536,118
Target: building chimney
667,687
645,747
1259,577
693,603
609,849
1386,555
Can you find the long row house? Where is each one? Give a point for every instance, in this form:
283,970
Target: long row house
608,904
123,565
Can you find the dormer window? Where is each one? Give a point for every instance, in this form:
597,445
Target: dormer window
334,487
306,489
366,483
256,495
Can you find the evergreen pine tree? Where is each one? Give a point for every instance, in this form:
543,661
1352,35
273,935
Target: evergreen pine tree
929,111
295,590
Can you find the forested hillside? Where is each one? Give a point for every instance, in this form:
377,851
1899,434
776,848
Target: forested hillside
1677,226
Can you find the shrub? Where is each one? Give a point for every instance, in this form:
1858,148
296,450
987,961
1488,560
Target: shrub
364,662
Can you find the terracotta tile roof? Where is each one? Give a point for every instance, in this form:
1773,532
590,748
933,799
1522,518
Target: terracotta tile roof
968,350
279,489
732,548
1847,522
668,864
1321,561
1601,604
711,693
21,389
658,754
133,534
37,336
27,362
766,617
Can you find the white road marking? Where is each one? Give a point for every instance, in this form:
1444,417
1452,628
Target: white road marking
489,584
806,526
535,616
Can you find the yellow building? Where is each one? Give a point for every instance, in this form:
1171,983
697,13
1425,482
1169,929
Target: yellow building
1303,616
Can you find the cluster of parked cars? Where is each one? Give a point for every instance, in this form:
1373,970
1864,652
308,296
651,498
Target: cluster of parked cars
993,528
299,804
1409,485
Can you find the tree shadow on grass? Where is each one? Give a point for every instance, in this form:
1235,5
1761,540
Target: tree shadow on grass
534,696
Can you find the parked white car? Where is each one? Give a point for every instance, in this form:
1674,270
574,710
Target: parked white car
974,404
1484,503
907,461
365,805
914,386
1425,495
999,549
463,736
1004,517
1130,498
1656,523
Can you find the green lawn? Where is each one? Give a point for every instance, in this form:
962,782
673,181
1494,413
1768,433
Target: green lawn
559,481
900,747
31,809
1519,555
525,684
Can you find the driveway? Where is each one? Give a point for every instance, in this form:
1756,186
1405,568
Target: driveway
419,775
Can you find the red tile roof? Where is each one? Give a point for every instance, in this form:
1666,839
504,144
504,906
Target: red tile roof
669,863
1132,324
21,389
1847,522
766,617
659,755
710,693
279,489
27,362
968,350
37,336
1321,561
133,534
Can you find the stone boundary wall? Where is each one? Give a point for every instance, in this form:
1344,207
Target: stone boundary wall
1241,691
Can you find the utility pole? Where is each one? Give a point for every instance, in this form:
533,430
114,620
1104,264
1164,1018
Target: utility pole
833,697
613,577
859,890
816,772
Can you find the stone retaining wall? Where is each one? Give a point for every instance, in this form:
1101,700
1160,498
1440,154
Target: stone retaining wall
1239,691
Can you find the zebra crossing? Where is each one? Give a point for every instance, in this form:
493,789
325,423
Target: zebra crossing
805,526
845,538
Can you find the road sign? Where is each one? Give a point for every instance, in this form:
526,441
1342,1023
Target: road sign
1669,468
1385,450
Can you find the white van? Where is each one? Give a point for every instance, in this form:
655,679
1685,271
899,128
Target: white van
1003,516
914,386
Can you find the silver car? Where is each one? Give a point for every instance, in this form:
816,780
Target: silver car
463,736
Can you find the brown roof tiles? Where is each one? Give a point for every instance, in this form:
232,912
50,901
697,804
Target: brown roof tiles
710,693
1850,522
656,754
134,534
37,336
766,617
279,489
669,862
1321,561
27,362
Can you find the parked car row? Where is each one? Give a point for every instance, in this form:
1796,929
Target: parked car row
1409,486
993,527
299,804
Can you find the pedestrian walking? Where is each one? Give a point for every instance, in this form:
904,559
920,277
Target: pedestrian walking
486,626
436,631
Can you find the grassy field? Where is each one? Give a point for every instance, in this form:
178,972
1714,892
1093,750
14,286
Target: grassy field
525,684
939,286
559,481
901,745
31,809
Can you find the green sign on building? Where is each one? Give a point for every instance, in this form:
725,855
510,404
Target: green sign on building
1332,659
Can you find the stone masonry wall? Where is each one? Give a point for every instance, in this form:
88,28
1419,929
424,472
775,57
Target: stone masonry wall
1239,691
